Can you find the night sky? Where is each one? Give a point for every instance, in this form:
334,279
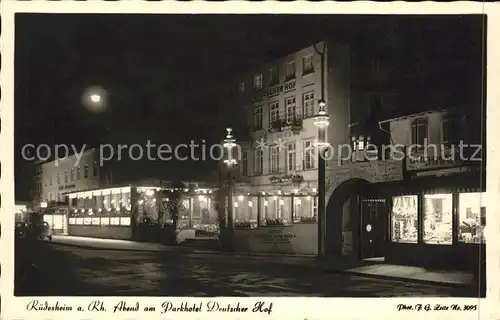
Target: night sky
162,71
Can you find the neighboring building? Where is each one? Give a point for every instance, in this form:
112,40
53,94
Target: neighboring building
56,178
22,211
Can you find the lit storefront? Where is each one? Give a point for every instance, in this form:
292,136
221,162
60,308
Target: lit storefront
443,226
117,212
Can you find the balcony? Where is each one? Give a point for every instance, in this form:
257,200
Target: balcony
286,123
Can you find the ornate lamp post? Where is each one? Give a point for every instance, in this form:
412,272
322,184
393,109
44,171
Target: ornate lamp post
322,121
229,144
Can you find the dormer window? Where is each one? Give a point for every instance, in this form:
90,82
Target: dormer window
257,81
419,132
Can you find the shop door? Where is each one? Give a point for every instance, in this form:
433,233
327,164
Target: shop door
373,214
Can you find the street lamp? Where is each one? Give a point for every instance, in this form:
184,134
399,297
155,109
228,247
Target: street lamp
322,121
229,144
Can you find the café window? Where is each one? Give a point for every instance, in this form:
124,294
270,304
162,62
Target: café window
471,217
290,70
273,112
419,132
257,118
307,64
273,76
257,81
438,217
404,219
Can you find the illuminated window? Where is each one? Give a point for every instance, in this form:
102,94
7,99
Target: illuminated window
471,217
404,219
438,218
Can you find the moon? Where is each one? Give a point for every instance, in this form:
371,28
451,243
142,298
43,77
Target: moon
95,99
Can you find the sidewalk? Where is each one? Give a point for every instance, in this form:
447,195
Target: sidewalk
334,265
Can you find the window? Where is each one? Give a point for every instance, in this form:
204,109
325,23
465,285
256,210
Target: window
273,112
78,173
273,76
446,134
307,64
291,110
242,86
471,217
275,159
257,118
65,176
58,178
438,218
257,81
45,181
72,174
308,104
244,163
86,171
404,219
308,155
94,169
290,70
419,130
258,161
291,157
50,179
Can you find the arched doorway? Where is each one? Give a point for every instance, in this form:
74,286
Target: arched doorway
344,217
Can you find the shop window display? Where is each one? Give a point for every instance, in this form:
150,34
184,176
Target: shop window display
405,219
471,217
438,218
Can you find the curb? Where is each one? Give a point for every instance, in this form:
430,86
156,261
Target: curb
306,266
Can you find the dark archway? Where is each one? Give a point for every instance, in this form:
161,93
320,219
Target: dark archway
344,191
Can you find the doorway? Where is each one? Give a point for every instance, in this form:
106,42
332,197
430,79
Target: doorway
373,228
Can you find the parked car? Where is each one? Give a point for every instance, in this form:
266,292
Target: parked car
41,230
21,229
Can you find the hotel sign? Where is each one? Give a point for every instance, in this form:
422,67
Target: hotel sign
276,90
67,186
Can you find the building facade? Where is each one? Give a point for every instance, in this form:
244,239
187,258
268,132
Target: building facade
76,172
277,169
